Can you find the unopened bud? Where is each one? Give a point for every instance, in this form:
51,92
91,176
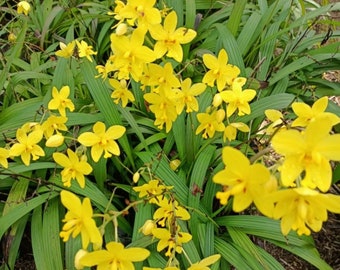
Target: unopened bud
217,100
220,114
174,164
12,38
79,255
136,177
121,29
148,226
55,140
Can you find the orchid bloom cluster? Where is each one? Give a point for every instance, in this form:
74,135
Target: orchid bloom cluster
166,94
165,224
294,189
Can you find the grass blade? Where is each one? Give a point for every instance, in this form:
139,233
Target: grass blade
233,23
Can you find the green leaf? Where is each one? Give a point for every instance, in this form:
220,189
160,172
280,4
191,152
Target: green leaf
206,235
143,213
72,246
37,240
178,130
17,114
27,75
233,23
199,173
17,169
230,254
249,250
299,64
309,254
14,238
264,227
52,14
13,54
245,39
50,235
20,210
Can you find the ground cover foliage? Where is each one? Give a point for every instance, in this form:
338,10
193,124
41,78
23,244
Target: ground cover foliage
167,134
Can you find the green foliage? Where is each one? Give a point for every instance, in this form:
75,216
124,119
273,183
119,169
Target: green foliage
276,47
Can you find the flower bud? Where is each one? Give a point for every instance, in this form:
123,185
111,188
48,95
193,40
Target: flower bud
55,140
23,7
217,100
121,29
79,255
148,226
136,177
174,164
12,38
220,114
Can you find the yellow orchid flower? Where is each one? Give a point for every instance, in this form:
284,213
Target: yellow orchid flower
308,151
54,124
66,51
84,50
307,114
166,239
238,99
169,209
102,140
186,97
245,181
74,167
231,129
121,92
60,100
169,39
210,123
130,55
220,71
79,220
27,145
115,257
303,209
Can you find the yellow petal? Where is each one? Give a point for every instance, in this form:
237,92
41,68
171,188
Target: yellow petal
70,201
88,139
273,115
302,109
96,152
210,61
234,158
288,142
96,258
116,131
99,128
320,105
16,149
290,170
241,201
170,22
55,140
222,57
61,159
330,147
